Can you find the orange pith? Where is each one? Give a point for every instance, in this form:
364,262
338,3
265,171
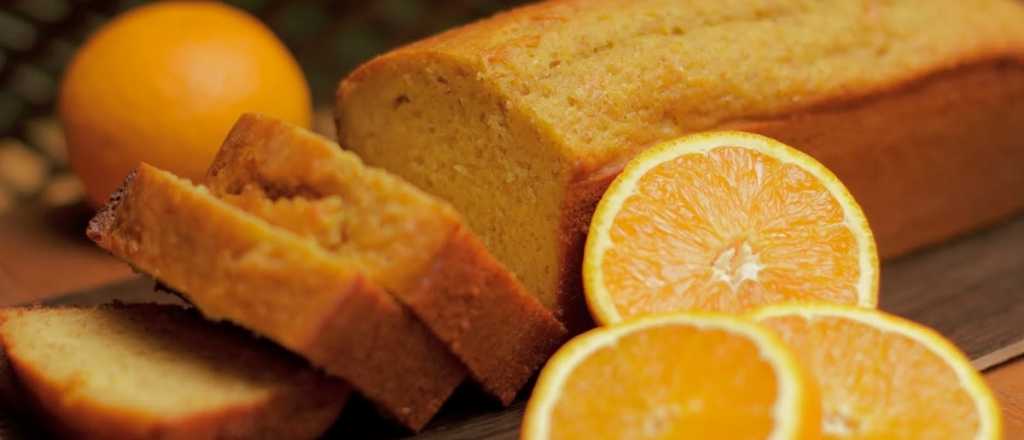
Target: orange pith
884,377
687,377
725,227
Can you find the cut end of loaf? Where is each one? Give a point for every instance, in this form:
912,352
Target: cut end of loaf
433,121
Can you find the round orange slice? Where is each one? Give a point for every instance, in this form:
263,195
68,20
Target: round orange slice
672,377
885,377
726,221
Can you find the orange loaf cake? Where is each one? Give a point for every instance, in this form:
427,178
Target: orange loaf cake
401,238
236,267
161,372
522,120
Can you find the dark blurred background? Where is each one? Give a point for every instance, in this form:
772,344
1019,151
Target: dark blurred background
38,37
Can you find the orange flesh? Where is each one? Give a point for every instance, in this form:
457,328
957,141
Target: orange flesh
668,383
728,230
878,385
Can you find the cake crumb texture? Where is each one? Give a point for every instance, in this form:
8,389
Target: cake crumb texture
161,371
402,239
236,267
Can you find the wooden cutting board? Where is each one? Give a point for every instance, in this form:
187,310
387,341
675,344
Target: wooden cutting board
970,289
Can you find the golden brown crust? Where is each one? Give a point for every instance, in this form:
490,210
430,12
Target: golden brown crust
482,312
302,409
104,218
926,161
233,266
518,52
579,206
463,294
409,373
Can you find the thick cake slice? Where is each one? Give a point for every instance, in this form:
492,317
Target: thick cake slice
236,267
522,120
412,244
162,372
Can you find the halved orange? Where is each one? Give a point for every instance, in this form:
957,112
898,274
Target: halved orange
726,221
885,377
673,377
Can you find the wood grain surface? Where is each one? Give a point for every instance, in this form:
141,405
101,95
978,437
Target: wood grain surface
1007,381
970,289
44,253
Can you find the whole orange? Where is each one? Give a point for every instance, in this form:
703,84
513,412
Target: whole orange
163,84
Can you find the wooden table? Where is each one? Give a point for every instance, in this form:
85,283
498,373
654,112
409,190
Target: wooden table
44,253
970,289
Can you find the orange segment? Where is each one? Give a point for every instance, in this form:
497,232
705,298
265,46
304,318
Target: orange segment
670,377
726,221
884,377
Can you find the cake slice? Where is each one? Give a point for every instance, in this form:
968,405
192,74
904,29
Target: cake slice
161,372
234,266
412,244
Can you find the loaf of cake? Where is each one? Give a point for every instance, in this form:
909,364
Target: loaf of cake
236,267
522,120
402,239
161,372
